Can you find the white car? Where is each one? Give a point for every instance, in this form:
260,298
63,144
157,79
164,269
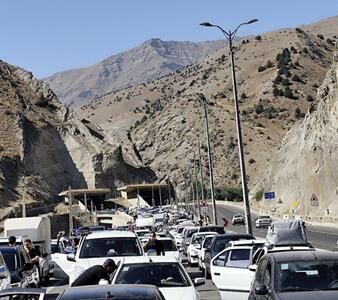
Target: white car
194,247
263,221
96,247
201,255
5,276
230,272
167,273
237,219
170,249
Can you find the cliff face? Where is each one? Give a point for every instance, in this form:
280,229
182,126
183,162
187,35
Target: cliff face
44,147
307,161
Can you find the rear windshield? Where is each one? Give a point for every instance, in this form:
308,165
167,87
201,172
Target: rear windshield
110,247
169,245
159,274
220,244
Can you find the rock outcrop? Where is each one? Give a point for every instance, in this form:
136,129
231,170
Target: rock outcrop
44,147
306,164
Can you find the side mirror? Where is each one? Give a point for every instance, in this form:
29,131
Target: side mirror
199,281
253,268
261,289
27,267
71,257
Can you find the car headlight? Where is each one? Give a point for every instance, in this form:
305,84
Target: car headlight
78,271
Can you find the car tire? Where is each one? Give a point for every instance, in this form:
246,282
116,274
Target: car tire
207,275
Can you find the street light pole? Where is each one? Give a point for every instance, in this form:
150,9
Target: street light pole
230,36
212,189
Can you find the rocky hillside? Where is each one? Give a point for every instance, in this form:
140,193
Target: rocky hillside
307,161
46,148
278,74
150,60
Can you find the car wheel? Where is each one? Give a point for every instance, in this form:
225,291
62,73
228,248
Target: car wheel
207,275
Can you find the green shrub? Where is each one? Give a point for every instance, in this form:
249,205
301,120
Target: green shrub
259,195
229,193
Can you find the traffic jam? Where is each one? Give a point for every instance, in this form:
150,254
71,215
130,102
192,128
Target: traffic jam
164,254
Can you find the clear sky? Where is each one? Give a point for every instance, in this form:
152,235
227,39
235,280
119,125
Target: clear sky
47,36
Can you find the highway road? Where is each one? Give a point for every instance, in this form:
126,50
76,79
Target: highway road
320,236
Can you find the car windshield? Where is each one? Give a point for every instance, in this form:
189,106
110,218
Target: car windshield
169,245
207,241
104,247
11,262
197,239
307,275
159,274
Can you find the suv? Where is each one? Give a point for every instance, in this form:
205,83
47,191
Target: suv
237,219
96,247
218,243
263,221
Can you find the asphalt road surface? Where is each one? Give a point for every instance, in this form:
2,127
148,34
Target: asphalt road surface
320,236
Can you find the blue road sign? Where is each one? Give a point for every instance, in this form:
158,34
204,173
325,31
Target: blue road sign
269,195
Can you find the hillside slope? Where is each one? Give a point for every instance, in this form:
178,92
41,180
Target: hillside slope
306,163
150,60
45,148
278,74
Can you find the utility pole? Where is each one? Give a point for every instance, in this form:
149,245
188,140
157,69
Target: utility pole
212,189
24,198
169,191
197,193
70,202
200,163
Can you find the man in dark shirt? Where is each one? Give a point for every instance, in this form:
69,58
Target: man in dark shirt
94,274
154,244
32,252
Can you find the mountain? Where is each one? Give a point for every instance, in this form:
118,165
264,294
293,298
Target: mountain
42,140
278,74
306,163
150,60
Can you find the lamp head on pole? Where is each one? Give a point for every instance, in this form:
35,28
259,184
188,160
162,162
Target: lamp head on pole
252,21
207,24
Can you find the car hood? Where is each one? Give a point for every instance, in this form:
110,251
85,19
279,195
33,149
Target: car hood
179,293
309,295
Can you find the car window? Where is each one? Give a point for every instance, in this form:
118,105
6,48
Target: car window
105,247
11,261
169,245
159,274
239,258
191,232
221,259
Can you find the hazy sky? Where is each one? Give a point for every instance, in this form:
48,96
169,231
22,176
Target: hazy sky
46,36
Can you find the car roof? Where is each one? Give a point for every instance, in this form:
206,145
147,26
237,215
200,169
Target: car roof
247,242
205,233
148,259
110,233
165,238
302,255
232,235
117,290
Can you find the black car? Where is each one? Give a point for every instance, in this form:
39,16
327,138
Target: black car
116,292
217,244
296,275
22,294
212,228
23,272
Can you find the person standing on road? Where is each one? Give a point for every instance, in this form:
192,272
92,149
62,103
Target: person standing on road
32,252
154,244
94,274
11,241
225,222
